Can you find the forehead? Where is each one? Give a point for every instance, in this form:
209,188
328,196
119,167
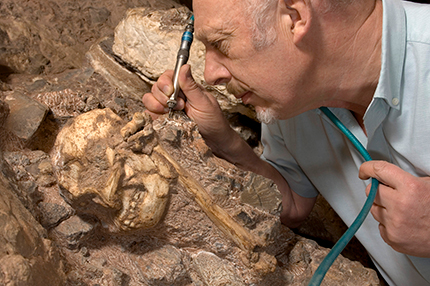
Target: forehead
217,17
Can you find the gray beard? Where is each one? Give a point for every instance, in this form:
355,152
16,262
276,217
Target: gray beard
266,116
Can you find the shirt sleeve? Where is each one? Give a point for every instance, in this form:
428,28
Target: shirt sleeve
277,154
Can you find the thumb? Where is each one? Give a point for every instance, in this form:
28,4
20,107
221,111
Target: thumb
189,86
197,97
386,173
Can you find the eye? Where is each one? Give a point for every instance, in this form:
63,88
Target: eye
222,46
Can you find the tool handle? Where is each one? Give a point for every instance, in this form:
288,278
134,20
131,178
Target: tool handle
181,59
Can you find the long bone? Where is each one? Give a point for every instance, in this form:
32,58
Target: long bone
241,236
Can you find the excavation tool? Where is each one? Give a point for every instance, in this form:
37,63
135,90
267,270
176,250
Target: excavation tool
181,59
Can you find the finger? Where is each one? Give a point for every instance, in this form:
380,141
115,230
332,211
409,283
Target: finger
381,194
379,213
153,105
192,90
163,88
384,197
384,233
153,115
180,101
386,173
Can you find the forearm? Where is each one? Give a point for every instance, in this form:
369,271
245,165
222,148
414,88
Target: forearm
234,149
239,153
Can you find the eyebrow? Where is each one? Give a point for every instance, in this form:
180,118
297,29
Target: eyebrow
207,35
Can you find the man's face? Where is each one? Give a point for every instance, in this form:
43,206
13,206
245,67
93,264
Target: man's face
269,79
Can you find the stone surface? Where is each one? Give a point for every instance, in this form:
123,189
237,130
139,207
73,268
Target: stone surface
25,115
26,256
53,214
258,193
4,112
50,37
215,271
164,266
149,39
104,62
73,231
25,186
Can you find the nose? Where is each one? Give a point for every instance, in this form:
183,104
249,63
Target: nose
215,72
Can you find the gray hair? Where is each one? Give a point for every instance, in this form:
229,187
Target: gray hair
262,14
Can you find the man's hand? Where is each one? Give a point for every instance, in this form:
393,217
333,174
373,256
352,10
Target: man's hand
401,206
199,105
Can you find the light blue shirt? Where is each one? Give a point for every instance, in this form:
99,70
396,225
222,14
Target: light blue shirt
315,157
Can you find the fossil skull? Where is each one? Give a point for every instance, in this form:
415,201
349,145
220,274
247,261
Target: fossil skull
101,175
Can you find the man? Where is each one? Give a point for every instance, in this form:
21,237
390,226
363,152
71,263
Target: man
369,62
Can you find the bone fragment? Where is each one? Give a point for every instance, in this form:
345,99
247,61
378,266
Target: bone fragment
241,236
138,122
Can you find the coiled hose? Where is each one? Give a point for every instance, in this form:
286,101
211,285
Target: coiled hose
347,236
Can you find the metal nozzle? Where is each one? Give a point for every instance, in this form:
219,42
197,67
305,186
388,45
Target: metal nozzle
181,59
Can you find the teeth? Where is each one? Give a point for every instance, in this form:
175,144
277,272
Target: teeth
130,215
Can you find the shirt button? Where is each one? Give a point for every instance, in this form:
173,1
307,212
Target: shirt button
395,101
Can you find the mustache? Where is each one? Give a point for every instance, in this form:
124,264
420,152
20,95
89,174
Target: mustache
235,88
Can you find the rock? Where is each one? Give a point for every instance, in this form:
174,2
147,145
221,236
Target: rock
4,86
71,93
74,231
22,184
306,256
103,61
53,214
215,271
4,112
50,37
164,267
116,277
25,116
15,269
259,193
43,172
326,227
26,256
149,39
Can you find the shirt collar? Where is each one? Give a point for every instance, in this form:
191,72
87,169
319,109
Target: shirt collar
388,90
393,53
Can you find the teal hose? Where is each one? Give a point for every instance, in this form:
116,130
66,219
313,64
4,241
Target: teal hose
347,236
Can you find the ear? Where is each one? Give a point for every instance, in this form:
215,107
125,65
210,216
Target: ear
298,13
